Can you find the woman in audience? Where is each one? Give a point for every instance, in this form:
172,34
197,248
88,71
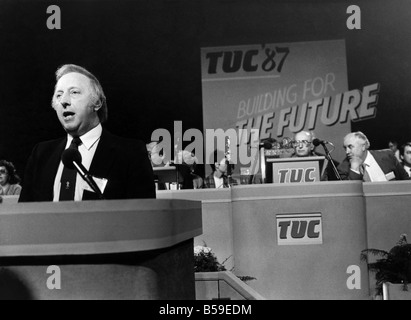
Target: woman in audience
9,180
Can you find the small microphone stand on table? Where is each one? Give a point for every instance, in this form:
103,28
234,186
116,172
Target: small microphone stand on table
229,173
328,155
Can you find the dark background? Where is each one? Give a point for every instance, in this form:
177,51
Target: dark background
146,54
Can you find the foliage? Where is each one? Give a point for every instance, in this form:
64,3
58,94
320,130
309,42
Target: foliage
205,260
394,266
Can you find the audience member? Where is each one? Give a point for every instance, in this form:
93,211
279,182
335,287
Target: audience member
187,163
9,180
156,155
369,165
393,145
218,178
157,159
405,154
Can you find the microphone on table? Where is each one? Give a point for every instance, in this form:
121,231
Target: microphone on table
317,142
265,145
72,159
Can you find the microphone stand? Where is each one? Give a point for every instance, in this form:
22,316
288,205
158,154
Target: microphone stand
89,179
252,177
227,162
229,173
178,175
176,165
328,155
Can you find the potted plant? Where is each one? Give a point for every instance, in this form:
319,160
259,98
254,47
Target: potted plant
212,277
393,266
206,261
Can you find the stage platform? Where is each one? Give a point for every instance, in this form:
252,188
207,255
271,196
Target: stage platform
302,240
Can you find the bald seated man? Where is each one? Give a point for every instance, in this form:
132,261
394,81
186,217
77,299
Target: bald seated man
369,165
304,147
303,144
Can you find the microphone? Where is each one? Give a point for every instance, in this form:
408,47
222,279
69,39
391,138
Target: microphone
72,159
317,142
265,145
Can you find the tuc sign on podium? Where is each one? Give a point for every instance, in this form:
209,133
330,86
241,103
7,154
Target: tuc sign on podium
299,229
304,169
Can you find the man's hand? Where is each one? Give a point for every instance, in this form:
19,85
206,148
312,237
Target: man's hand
355,163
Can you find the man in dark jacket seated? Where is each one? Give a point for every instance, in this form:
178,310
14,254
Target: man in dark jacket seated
369,165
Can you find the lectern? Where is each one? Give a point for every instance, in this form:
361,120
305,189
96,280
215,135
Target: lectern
111,249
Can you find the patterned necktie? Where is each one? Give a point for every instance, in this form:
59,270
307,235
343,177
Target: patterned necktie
68,177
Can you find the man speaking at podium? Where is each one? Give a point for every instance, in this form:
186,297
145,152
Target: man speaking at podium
115,168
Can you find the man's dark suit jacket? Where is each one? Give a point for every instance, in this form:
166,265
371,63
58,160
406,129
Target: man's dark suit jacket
385,159
123,162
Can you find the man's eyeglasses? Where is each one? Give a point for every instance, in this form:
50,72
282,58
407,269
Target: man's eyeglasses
3,171
305,143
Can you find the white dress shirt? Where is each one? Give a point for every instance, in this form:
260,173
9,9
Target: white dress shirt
374,170
219,182
87,149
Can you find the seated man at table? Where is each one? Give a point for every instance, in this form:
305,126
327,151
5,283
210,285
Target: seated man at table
158,159
219,178
405,154
304,147
393,146
369,165
187,164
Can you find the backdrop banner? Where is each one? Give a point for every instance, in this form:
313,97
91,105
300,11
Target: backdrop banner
281,89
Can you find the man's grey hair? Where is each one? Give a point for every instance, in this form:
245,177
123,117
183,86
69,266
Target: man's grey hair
361,136
99,99
311,134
